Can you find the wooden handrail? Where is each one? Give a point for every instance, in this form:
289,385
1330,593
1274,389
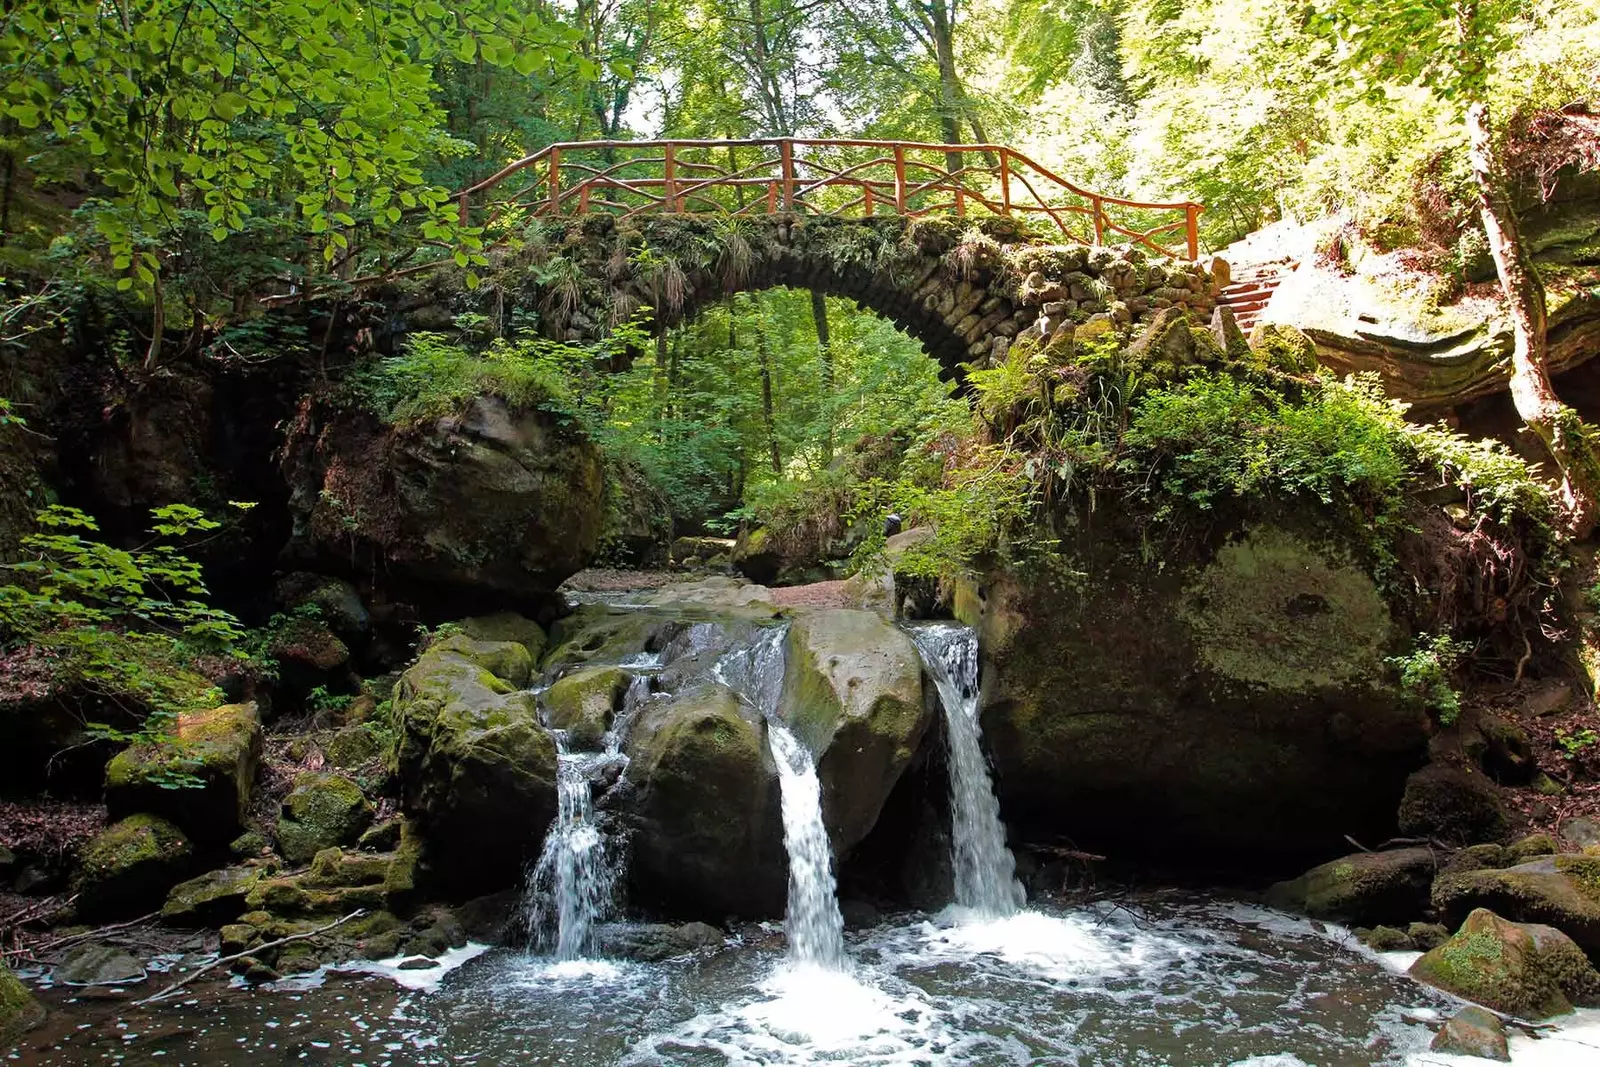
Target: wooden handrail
835,176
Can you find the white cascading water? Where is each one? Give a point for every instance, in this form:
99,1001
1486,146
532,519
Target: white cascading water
985,870
814,924
570,889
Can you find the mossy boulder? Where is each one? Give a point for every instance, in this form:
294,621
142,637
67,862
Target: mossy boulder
708,828
1283,348
1453,804
19,1011
477,769
493,505
1473,1031
127,868
350,746
1561,891
852,694
214,898
1220,700
322,810
584,704
757,556
336,601
507,626
1530,971
1365,888
1530,847
219,748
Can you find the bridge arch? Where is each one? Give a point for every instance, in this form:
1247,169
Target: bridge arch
964,288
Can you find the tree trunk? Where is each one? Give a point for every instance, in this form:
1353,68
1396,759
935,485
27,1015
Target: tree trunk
819,315
1556,424
766,395
950,94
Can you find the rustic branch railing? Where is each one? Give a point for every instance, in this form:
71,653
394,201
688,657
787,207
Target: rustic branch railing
821,177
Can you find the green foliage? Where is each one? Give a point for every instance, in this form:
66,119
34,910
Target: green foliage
124,625
1427,674
1573,742
320,700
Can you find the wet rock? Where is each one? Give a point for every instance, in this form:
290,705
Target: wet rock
128,867
381,837
494,505
852,694
1473,1032
1425,936
321,811
859,914
585,702
708,833
93,964
1226,708
507,626
653,942
19,1011
477,769
418,963
220,747
214,898
1453,804
1580,833
1527,971
490,918
1562,891
1366,887
1387,939
1477,858
336,602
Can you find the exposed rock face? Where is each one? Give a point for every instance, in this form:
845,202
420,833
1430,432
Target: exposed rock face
477,769
19,1012
853,695
214,898
493,506
1473,1032
220,747
708,835
1364,888
1228,707
129,866
1530,971
1561,891
321,811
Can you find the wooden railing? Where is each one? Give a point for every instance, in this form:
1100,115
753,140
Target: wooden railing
823,177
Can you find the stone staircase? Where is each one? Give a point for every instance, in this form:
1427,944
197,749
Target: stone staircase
1249,290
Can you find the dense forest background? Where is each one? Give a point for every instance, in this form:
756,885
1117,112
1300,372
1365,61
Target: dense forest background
189,157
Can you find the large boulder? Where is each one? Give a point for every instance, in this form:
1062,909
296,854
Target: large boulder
477,769
495,505
214,898
1228,706
1454,804
1530,971
1561,891
708,838
1367,888
128,867
585,703
322,810
852,693
19,1012
200,777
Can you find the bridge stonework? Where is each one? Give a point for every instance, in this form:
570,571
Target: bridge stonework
965,288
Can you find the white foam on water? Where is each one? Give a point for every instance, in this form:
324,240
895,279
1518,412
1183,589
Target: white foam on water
1576,1043
1285,1059
425,981
544,973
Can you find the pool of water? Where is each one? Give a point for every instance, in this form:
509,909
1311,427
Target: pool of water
1115,984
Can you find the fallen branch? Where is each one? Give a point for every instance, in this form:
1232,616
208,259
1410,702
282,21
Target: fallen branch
48,906
214,964
87,935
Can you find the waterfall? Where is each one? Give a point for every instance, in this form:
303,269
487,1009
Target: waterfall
814,925
571,885
985,870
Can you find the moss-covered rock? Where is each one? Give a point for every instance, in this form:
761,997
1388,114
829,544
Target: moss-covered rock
1367,887
493,505
1221,701
708,830
852,693
219,748
213,899
336,601
1488,856
507,626
584,704
1561,891
128,867
1530,847
350,746
1473,1032
19,1011
1283,348
1456,805
1508,967
477,769
321,811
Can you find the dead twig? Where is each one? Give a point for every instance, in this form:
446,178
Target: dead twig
89,935
214,964
32,912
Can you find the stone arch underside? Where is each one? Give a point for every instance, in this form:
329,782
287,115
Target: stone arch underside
966,290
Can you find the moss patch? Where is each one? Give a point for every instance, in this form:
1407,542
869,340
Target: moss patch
129,866
19,1012
321,811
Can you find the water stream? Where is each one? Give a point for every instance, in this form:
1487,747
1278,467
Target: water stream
985,870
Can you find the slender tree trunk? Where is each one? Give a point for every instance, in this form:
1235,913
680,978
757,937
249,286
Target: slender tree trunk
950,94
766,395
819,315
1556,424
